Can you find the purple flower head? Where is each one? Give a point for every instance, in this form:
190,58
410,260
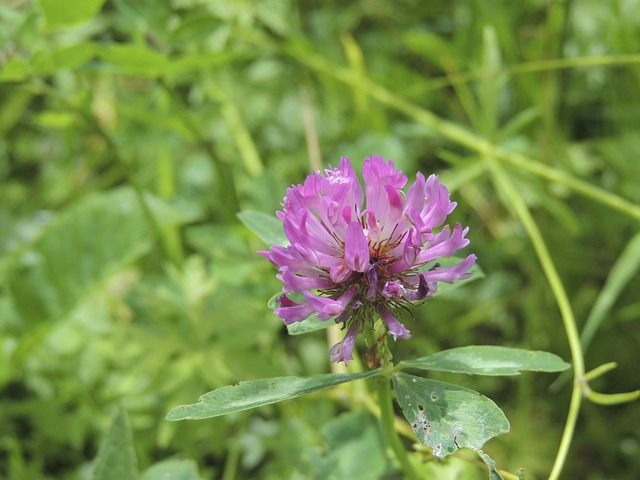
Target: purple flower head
355,255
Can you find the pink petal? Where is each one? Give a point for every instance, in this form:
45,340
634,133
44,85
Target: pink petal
328,307
445,248
356,248
295,283
395,328
291,311
451,274
343,351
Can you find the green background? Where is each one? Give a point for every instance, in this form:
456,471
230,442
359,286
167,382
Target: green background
133,132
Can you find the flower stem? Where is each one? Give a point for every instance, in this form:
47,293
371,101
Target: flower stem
522,212
385,400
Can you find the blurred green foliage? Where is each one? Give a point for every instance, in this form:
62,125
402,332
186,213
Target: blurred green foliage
133,131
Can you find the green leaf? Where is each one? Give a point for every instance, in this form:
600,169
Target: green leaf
311,324
55,119
268,228
237,127
625,268
14,70
15,102
194,29
189,62
492,81
355,448
133,59
491,465
463,173
489,360
519,121
172,469
72,56
447,417
59,13
116,456
79,251
256,393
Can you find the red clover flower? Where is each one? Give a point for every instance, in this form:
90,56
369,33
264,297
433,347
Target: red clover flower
350,259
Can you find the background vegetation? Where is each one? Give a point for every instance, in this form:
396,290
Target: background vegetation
133,131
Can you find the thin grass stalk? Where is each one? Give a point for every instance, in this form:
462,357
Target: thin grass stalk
503,182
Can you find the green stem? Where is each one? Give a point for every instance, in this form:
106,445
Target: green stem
560,177
385,401
237,128
612,398
166,189
231,465
516,202
599,371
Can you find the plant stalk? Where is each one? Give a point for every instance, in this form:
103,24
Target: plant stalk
522,212
385,401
